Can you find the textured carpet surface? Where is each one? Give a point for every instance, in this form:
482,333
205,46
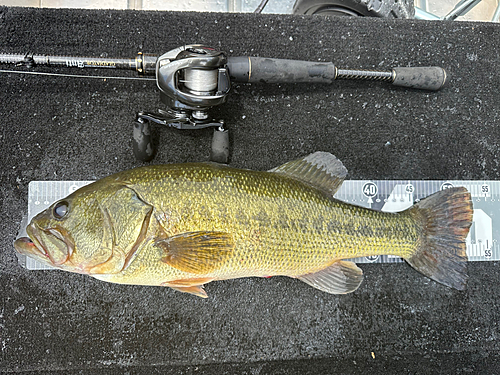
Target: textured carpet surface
80,129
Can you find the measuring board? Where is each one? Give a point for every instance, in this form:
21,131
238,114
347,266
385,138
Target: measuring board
383,195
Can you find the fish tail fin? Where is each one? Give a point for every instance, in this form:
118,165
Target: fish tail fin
445,219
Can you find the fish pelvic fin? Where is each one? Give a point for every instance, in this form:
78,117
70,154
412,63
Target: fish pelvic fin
196,252
196,290
320,169
445,218
191,286
340,278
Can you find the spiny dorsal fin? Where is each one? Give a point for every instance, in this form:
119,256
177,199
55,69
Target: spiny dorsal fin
321,169
196,252
340,278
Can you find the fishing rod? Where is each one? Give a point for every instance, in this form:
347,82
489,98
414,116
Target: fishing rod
194,78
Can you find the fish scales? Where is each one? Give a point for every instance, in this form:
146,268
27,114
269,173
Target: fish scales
281,226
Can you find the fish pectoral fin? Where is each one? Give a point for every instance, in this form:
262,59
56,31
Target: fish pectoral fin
340,278
192,286
196,252
320,169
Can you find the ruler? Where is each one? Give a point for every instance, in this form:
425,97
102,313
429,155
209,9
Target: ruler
383,195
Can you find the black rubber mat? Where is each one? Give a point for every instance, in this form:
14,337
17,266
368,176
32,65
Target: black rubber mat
79,129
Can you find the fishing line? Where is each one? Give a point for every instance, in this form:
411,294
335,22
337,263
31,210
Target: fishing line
77,75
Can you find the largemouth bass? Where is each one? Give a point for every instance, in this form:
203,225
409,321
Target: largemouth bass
184,225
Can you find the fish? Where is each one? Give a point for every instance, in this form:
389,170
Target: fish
185,225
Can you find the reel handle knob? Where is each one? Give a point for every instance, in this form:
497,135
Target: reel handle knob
220,146
142,140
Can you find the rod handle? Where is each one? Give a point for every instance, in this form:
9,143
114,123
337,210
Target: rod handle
268,70
431,78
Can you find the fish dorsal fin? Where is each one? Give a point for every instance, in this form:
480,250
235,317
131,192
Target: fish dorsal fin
321,170
340,278
196,252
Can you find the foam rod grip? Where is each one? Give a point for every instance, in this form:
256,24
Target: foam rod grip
426,78
268,70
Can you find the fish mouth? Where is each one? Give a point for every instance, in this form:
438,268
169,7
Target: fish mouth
51,245
25,246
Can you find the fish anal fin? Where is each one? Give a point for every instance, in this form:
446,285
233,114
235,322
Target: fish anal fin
191,286
320,169
340,278
196,252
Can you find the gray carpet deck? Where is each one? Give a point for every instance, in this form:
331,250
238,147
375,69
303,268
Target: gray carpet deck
80,129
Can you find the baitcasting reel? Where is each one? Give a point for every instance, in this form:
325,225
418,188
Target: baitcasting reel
194,78
191,79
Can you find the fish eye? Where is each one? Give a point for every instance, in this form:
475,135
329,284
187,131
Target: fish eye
60,209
